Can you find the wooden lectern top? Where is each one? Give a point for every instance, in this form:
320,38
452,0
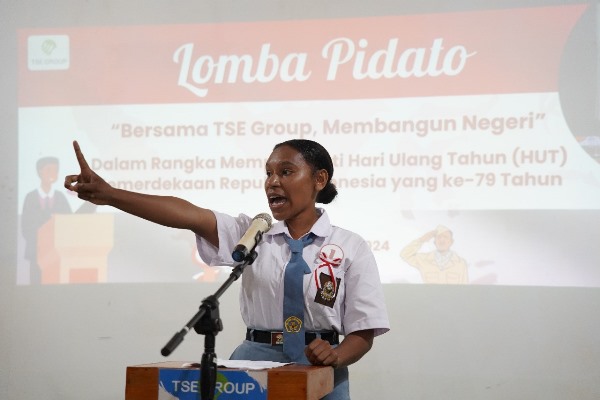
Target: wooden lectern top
289,382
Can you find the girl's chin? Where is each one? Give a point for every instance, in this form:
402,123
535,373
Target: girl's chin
278,213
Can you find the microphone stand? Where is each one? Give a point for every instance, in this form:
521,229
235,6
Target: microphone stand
208,323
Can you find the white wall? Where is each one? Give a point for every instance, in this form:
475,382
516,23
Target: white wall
446,342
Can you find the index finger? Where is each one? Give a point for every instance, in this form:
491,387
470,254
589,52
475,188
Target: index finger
80,158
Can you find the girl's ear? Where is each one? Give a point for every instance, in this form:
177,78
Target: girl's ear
321,179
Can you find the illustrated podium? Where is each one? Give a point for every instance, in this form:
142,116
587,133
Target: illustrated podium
288,382
73,248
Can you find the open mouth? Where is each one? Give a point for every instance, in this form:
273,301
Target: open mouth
276,201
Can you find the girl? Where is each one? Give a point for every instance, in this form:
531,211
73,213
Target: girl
342,293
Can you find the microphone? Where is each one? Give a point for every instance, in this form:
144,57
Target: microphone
260,224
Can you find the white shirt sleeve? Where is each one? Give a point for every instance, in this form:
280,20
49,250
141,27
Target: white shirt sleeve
364,303
230,230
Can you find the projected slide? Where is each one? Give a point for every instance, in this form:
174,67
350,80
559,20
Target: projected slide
465,148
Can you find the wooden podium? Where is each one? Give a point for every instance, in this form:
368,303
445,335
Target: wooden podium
73,248
289,382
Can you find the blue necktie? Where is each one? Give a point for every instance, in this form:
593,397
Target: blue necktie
293,299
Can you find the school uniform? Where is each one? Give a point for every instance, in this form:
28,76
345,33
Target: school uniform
343,292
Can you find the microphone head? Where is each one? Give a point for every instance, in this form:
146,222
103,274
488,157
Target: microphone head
265,217
252,236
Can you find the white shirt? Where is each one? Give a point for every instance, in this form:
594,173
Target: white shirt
359,303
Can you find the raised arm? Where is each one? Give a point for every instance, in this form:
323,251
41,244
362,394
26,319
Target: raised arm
164,210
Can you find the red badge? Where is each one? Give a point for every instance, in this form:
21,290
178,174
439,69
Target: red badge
330,256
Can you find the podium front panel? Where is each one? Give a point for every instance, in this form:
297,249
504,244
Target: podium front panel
172,381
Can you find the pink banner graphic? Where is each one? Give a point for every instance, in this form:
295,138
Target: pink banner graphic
385,57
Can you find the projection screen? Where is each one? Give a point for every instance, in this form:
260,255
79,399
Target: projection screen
477,125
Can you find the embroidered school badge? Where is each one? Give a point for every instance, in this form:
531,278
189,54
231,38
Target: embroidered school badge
330,257
293,324
327,291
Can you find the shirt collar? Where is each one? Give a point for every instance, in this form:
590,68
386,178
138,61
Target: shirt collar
321,228
43,194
